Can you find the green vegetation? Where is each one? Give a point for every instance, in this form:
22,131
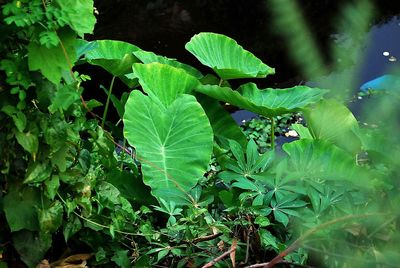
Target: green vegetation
185,187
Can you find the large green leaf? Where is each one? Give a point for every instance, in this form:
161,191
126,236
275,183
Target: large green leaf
79,14
54,61
317,159
174,144
150,57
228,59
332,121
116,57
268,102
20,207
221,121
164,82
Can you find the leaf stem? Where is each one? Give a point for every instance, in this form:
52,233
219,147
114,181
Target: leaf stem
272,134
107,102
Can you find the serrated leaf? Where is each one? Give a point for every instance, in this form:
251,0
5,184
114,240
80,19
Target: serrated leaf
174,144
228,59
268,102
65,96
79,14
52,62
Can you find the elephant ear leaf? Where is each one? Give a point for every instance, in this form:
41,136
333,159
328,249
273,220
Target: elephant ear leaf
174,143
268,102
116,57
318,159
226,57
164,82
150,57
332,121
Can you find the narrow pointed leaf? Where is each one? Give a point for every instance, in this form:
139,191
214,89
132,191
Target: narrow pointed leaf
268,102
226,57
174,144
164,82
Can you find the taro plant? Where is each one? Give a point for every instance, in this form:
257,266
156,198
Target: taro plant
68,185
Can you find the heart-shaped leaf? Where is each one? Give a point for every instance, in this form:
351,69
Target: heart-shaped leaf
332,121
164,82
228,59
150,57
174,144
268,102
116,57
317,159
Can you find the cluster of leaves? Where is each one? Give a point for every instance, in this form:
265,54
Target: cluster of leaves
259,128
68,185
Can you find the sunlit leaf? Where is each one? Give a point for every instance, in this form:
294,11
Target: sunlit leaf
228,59
268,102
174,144
150,57
164,82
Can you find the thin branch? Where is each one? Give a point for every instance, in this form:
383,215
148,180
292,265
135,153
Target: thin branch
203,238
214,261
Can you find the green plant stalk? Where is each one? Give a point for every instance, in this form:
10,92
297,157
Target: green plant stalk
123,155
107,102
272,135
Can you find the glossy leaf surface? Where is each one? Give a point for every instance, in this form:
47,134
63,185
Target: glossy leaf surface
116,57
267,102
164,82
226,57
150,57
174,144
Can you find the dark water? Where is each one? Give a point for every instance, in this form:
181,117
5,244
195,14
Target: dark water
164,26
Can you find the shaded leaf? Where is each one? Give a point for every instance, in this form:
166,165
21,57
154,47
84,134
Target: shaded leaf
19,207
52,62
